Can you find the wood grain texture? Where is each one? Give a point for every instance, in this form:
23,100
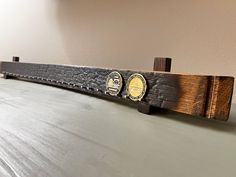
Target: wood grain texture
220,97
181,93
162,64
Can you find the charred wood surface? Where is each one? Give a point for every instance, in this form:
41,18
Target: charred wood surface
207,96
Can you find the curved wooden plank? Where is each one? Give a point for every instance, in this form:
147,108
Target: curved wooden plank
207,96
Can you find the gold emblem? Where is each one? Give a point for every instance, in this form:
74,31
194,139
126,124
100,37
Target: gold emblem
136,87
114,83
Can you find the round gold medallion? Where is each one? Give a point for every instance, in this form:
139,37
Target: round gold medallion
136,87
114,83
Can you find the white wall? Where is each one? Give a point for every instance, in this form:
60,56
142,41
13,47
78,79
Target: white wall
199,34
28,28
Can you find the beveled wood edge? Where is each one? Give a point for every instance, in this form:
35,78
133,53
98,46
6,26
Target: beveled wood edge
219,100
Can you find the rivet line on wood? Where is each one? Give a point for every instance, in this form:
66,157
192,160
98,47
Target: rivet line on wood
70,84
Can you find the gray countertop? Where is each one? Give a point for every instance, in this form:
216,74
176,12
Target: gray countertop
47,131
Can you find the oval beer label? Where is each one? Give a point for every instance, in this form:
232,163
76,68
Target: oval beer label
136,87
114,83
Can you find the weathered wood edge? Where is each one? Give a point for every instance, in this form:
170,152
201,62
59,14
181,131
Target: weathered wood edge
219,100
212,96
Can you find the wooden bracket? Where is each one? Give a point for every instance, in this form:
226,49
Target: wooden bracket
14,59
160,64
5,76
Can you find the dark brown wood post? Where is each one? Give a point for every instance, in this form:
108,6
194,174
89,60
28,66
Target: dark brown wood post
5,76
14,59
160,64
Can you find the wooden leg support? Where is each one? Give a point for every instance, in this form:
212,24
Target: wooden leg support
160,64
145,108
14,59
5,76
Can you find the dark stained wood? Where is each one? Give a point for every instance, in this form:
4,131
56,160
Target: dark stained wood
191,94
145,108
5,76
160,64
15,59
